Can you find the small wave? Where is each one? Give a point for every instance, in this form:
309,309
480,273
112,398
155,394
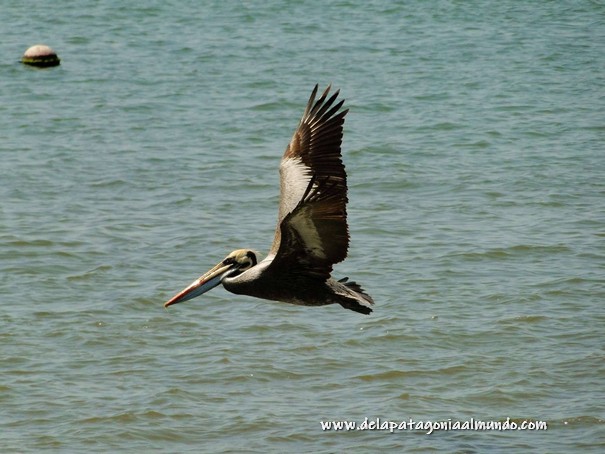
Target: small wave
524,319
578,421
513,251
87,274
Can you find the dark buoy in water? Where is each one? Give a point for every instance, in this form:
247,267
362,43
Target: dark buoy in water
41,56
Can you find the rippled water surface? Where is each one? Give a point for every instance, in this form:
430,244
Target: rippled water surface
475,153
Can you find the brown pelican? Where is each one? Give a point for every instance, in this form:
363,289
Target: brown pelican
312,233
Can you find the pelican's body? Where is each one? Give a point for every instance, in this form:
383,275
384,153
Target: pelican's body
295,289
312,232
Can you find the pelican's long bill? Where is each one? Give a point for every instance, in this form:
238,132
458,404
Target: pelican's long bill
204,283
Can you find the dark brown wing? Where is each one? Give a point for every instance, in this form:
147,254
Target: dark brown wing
312,232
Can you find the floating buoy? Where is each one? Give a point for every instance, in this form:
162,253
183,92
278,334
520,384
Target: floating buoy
41,56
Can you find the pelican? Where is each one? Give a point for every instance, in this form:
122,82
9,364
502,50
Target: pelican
312,232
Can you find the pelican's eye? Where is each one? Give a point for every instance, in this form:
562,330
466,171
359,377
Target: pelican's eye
229,261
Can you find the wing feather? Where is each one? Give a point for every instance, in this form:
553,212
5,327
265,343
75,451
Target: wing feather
312,232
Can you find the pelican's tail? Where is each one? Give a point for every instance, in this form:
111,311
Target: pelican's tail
353,297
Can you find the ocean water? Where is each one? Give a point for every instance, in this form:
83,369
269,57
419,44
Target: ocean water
475,153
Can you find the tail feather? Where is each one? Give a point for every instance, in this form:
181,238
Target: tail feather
356,299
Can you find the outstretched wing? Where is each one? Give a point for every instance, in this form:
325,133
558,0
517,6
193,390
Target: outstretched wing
312,232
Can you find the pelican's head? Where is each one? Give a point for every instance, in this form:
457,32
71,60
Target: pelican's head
234,264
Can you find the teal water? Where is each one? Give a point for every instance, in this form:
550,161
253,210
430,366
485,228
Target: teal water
474,148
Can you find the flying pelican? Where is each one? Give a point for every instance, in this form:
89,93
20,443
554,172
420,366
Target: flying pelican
312,232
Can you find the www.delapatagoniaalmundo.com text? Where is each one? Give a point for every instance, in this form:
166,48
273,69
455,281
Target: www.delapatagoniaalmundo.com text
431,426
